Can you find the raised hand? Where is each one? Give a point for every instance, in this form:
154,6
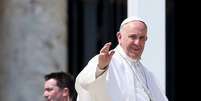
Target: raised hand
105,56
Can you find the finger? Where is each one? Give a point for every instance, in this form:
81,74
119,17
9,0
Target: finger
106,47
103,50
111,53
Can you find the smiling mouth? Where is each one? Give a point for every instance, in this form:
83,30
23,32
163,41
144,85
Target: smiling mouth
136,49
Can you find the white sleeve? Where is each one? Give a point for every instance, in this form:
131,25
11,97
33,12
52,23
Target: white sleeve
88,80
83,95
100,72
89,74
84,79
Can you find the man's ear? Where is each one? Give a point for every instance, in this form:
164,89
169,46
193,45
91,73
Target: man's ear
118,35
66,92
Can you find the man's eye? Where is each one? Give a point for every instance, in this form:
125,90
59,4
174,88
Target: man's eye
142,38
49,89
133,37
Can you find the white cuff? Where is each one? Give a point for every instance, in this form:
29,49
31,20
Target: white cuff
99,71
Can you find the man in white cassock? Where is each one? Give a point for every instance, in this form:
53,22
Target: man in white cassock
118,74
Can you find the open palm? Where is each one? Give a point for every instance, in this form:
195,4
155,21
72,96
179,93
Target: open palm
105,56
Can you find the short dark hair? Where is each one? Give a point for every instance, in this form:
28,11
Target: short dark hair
64,80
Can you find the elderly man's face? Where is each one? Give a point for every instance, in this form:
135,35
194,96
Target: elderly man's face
52,92
132,38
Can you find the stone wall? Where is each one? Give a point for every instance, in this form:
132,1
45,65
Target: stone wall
32,44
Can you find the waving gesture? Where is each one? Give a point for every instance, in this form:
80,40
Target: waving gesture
105,56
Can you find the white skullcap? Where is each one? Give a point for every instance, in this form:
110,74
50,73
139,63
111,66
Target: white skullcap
130,19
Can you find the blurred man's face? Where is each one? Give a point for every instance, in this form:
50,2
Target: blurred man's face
132,38
52,92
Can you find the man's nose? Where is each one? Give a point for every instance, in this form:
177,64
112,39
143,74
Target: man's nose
45,94
137,41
